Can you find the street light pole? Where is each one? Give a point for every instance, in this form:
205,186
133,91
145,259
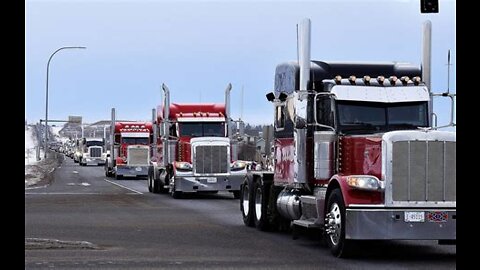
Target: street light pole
46,97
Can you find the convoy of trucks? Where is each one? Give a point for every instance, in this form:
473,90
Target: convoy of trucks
357,152
356,155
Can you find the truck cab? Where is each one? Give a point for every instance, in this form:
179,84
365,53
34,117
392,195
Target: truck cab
129,149
195,152
91,151
356,155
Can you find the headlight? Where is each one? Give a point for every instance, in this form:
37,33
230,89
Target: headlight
365,182
238,165
183,166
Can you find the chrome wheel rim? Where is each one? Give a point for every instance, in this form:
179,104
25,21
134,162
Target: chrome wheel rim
245,201
335,223
258,203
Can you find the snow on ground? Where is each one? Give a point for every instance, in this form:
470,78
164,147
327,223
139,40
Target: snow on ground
30,145
37,172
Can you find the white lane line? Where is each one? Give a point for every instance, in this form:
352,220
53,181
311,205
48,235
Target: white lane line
63,193
138,192
73,193
36,187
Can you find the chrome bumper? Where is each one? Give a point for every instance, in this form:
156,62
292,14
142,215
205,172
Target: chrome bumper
385,224
191,183
128,170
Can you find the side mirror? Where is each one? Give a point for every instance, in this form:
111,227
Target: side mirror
270,96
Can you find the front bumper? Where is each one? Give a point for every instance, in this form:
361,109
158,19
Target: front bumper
390,224
94,161
185,182
134,171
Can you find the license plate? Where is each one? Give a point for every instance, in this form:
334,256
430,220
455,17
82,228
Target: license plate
414,216
211,180
138,169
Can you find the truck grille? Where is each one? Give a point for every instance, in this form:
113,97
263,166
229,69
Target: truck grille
137,156
95,152
424,171
211,159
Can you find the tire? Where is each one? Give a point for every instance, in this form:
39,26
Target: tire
118,176
236,194
246,202
335,232
150,178
260,198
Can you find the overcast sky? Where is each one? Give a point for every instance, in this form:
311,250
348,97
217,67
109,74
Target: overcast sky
198,47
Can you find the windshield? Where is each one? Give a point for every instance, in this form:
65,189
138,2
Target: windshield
135,140
94,143
212,129
354,116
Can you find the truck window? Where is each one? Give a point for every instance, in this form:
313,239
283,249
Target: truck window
324,111
94,143
356,116
135,140
209,129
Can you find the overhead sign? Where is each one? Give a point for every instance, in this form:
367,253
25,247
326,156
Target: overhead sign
75,119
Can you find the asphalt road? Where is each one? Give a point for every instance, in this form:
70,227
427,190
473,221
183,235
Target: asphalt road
85,221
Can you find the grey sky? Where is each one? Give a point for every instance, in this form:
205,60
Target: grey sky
198,47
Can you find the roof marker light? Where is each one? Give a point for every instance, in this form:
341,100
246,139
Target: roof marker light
404,79
338,79
366,79
416,80
393,80
352,79
380,79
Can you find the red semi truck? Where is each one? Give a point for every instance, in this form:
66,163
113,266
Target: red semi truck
195,151
130,151
356,155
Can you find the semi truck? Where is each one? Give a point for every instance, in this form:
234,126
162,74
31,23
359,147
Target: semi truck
129,148
357,156
194,149
90,151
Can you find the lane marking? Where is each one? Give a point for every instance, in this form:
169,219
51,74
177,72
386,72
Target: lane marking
138,192
62,193
36,187
72,193
85,184
74,172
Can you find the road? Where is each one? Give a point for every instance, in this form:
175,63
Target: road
85,221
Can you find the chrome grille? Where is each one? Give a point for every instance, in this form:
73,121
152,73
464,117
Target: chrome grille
211,159
95,152
424,171
137,156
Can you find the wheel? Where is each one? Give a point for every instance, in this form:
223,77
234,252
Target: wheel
335,227
150,179
260,215
246,201
236,194
118,176
107,171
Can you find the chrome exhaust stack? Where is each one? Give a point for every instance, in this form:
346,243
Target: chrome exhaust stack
300,99
166,124
227,110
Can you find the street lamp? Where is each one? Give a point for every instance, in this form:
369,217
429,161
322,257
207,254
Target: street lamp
46,97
